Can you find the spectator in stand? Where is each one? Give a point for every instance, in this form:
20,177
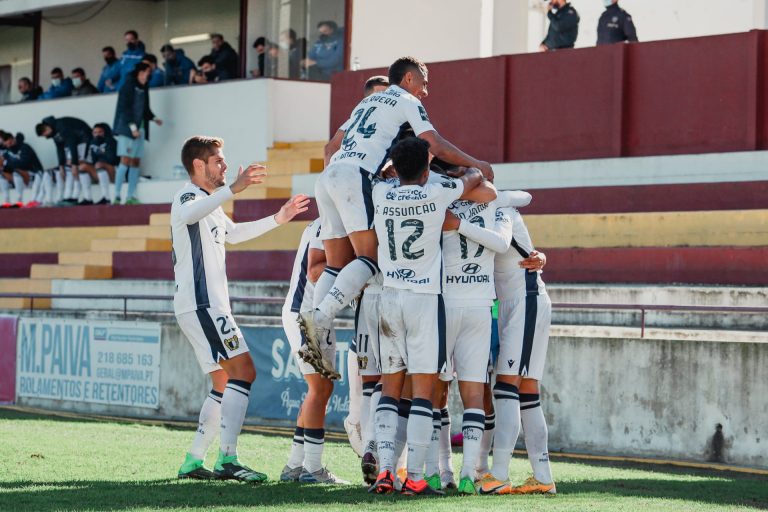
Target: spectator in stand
100,161
179,69
21,166
271,60
60,87
260,45
289,46
110,73
131,125
225,58
208,72
157,77
326,56
563,26
134,52
615,25
71,136
81,85
28,91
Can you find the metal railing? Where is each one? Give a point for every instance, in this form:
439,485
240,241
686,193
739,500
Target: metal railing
643,308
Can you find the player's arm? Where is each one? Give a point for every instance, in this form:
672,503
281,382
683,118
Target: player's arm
476,187
513,198
445,150
333,145
315,264
243,231
497,239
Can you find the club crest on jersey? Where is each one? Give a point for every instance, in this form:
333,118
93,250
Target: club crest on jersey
232,343
423,113
471,268
186,197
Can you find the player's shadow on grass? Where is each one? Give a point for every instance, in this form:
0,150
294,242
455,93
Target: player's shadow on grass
159,494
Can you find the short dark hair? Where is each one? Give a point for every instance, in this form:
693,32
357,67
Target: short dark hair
150,58
206,59
26,80
57,70
108,49
410,157
132,32
373,82
199,147
79,71
260,41
401,66
139,67
167,48
40,128
329,23
5,135
216,35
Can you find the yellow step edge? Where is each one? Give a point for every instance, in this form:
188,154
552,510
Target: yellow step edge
146,231
130,245
86,258
25,285
45,271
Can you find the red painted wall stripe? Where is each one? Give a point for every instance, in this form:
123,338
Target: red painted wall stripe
102,215
8,326
19,264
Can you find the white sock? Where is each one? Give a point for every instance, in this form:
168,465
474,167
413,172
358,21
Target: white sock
432,461
5,190
296,459
369,441
48,188
386,431
76,189
446,454
508,417
60,179
482,466
324,284
472,426
37,185
18,184
347,286
314,439
355,389
401,438
365,411
419,435
69,183
85,183
233,406
103,182
536,434
207,425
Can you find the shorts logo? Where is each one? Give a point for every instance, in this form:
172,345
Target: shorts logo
186,197
511,362
362,362
406,273
471,268
232,343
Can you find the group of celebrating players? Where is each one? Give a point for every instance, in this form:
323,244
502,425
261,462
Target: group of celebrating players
413,234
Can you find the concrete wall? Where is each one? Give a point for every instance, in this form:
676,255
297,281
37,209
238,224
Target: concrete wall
15,51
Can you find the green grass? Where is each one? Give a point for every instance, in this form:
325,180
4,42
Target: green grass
53,463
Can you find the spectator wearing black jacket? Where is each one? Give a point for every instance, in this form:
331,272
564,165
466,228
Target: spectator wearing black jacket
208,72
28,91
615,25
131,125
21,165
225,57
81,86
260,45
71,136
100,160
563,26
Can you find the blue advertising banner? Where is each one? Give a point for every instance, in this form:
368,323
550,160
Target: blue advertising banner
280,388
104,362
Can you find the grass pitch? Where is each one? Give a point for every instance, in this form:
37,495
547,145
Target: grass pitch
52,463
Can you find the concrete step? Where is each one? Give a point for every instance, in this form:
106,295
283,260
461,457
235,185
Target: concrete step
160,219
130,245
86,258
265,193
300,145
42,271
149,231
295,166
283,154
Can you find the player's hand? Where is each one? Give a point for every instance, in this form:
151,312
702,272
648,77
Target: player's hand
535,261
253,175
451,222
486,169
158,122
388,172
294,206
136,134
457,172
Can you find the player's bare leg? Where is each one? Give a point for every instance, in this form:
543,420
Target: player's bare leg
536,434
292,470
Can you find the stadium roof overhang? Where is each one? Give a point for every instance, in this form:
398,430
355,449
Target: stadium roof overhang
12,7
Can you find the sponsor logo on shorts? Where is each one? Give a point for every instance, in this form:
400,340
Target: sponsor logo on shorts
471,268
232,343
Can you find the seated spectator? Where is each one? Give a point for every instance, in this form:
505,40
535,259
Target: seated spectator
100,161
260,45
21,165
179,69
134,52
60,87
28,91
157,77
71,136
326,56
225,58
81,85
110,73
208,72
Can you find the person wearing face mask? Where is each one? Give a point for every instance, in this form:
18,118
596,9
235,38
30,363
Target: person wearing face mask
81,85
615,25
60,87
327,54
131,125
563,26
224,57
110,73
100,162
21,166
179,69
134,52
209,72
157,78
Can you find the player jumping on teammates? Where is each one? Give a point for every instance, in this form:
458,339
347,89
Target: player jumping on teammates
199,229
343,192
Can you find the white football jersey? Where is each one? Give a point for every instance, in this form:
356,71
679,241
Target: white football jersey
375,126
511,280
409,222
469,265
198,256
301,289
